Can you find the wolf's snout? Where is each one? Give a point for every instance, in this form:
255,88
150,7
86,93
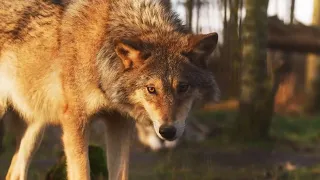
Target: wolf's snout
168,132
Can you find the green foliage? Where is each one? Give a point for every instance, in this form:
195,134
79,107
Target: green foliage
307,173
58,171
97,160
298,130
295,129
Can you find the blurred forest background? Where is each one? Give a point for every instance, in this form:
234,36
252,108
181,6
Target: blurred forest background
267,125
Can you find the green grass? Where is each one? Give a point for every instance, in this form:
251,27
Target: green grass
305,173
188,162
218,157
299,130
304,130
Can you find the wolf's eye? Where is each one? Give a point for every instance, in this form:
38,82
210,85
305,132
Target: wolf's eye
182,88
151,90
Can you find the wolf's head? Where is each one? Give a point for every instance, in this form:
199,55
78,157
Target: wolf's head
162,76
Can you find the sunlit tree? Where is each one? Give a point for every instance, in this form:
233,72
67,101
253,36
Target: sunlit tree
257,91
313,70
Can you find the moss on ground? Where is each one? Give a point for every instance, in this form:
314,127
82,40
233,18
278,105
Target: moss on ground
97,160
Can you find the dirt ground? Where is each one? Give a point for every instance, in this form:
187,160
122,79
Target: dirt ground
216,158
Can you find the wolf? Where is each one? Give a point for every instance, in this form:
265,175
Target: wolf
194,131
117,59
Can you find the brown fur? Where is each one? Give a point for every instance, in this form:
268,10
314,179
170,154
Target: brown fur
62,64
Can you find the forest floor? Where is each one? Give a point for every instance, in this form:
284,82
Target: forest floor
291,153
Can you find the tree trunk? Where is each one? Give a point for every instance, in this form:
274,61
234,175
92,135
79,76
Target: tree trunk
292,8
189,9
313,70
286,90
256,93
198,5
240,21
231,52
234,47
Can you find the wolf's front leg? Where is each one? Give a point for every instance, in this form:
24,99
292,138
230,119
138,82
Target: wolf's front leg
118,136
75,139
28,139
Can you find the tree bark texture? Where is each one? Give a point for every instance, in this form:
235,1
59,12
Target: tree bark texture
313,71
189,9
257,91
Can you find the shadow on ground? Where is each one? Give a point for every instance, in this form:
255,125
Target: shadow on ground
292,153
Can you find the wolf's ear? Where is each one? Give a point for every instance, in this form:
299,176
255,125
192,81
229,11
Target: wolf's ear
200,47
131,53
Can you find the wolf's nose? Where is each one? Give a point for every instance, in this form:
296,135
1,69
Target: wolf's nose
167,132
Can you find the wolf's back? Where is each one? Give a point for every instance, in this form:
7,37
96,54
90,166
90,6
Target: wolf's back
20,19
134,18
